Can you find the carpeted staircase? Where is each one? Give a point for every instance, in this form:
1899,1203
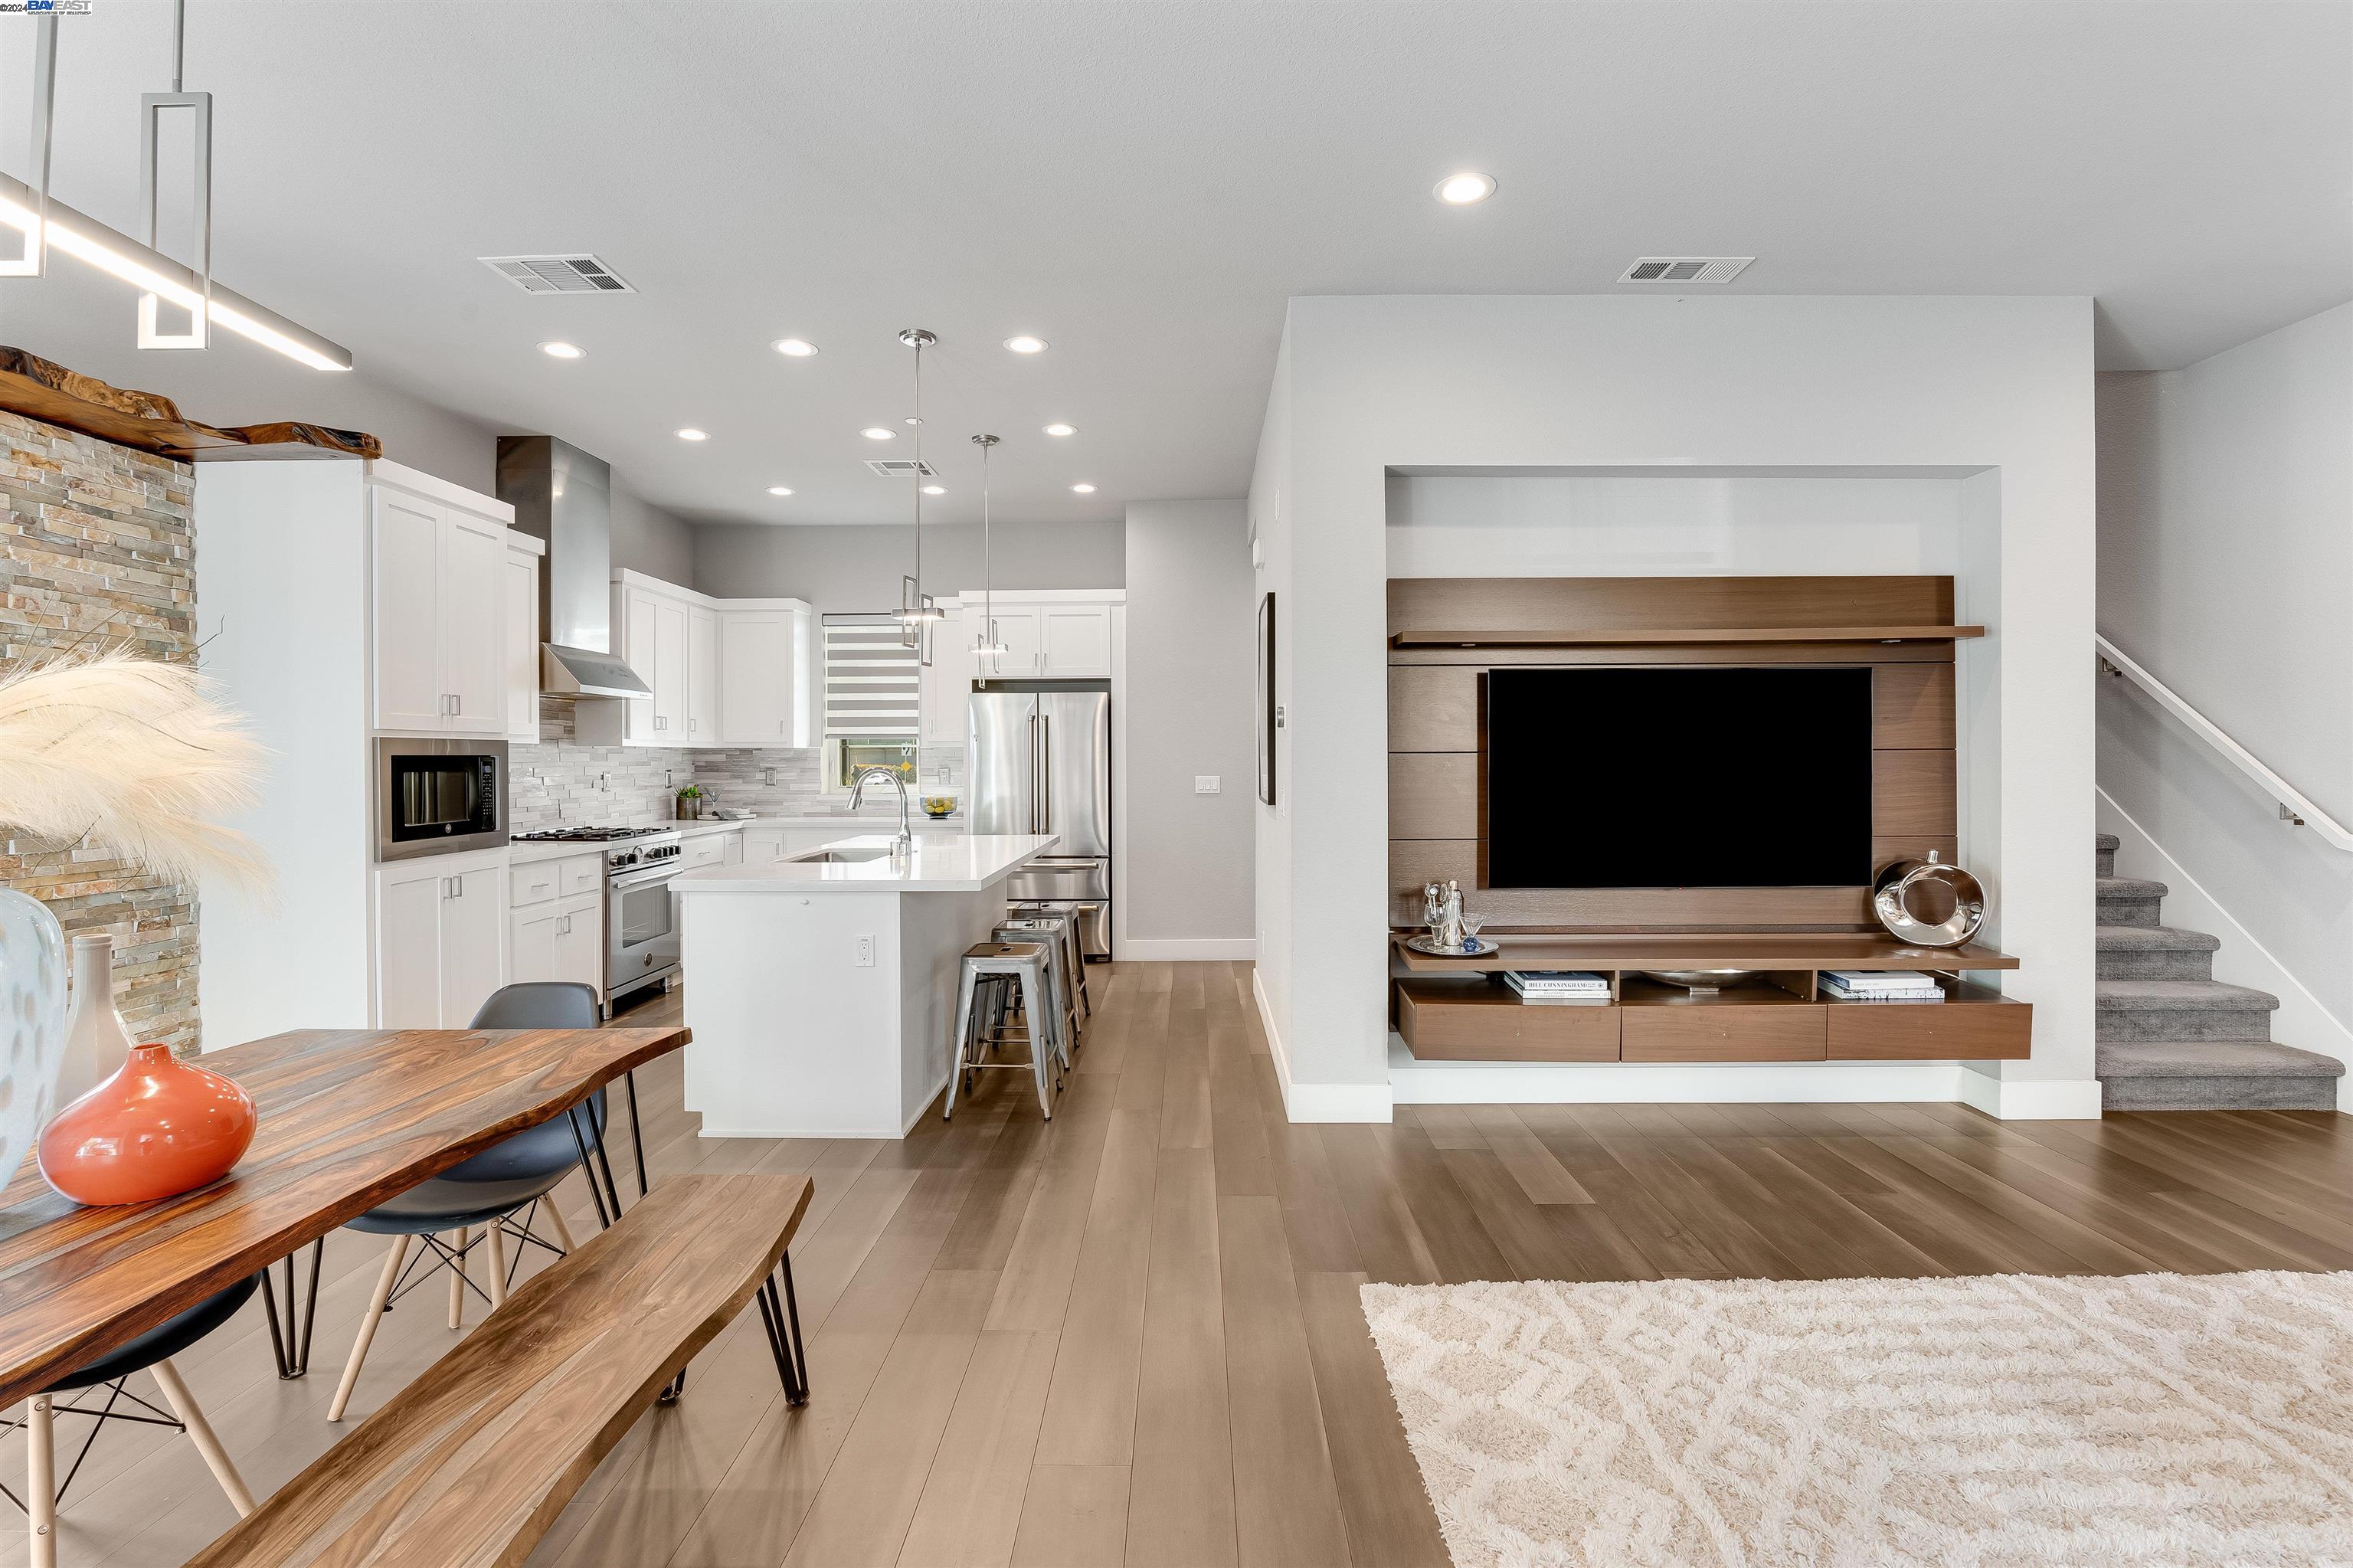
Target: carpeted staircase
2169,1035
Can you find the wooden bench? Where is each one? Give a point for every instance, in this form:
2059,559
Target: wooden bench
471,1463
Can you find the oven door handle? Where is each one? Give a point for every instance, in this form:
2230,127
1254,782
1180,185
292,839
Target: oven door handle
644,878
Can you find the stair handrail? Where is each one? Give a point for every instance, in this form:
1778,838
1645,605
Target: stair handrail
2294,806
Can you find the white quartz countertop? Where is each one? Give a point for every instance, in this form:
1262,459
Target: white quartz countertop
526,853
941,863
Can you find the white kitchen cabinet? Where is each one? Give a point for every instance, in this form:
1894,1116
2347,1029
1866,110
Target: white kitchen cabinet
722,672
520,632
407,612
732,843
561,941
436,623
442,939
762,845
756,677
1017,627
654,640
1074,642
701,676
947,684
706,849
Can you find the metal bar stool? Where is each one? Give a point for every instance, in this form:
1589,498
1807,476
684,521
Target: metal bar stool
1045,931
1070,946
1019,963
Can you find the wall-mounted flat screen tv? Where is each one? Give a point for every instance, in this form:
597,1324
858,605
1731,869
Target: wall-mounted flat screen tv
1691,777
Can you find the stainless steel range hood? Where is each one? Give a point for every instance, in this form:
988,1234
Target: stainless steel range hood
564,497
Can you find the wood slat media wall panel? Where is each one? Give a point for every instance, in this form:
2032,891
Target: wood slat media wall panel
1434,795
1559,604
1912,792
1912,706
1414,862
1434,707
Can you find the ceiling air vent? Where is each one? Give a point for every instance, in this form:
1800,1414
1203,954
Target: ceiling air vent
1685,269
902,468
581,274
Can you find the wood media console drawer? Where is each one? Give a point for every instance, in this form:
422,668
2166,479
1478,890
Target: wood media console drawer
1754,1023
1479,1019
1971,1025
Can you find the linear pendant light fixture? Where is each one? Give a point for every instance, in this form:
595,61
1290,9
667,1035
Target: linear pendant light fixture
150,129
918,611
47,224
989,641
34,262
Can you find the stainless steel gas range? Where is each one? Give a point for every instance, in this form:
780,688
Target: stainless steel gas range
640,919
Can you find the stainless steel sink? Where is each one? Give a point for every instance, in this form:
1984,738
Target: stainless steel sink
839,856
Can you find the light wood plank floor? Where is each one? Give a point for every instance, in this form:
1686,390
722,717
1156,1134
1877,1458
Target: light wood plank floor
1132,1336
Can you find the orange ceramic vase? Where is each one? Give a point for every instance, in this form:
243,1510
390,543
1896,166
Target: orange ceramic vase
158,1128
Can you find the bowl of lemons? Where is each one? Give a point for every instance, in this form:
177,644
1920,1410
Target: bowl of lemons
938,805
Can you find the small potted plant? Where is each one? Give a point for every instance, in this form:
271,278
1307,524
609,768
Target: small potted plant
690,804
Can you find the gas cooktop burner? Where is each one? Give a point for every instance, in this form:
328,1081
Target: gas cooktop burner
584,835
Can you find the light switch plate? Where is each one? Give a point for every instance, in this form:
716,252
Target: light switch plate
1206,784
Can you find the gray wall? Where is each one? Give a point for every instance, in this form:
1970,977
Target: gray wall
1192,661
650,540
858,567
84,321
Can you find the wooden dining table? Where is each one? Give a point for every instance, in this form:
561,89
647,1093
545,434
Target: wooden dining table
346,1118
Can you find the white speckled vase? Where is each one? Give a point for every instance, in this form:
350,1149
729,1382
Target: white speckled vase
32,1024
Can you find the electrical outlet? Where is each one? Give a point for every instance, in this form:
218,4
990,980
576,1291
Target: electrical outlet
865,959
1206,784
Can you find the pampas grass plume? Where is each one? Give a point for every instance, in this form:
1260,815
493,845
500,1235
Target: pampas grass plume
132,755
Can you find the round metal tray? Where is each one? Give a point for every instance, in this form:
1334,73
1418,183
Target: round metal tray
1480,948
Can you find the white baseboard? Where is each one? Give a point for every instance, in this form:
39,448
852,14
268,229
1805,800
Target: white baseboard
2302,1019
2031,1099
1318,1102
1185,949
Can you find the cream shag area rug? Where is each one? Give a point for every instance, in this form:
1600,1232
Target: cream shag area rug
2159,1419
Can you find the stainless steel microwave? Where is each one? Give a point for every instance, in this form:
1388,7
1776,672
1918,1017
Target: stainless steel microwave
437,797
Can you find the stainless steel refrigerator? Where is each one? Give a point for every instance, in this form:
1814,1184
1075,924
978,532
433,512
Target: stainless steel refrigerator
1041,762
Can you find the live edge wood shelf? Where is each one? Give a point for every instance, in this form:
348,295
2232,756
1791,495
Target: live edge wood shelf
1461,1010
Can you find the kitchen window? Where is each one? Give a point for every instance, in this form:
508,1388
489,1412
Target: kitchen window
873,691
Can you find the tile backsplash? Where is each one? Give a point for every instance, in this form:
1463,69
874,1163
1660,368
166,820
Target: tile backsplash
560,782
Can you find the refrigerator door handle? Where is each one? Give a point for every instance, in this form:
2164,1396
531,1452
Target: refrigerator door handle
1045,774
1033,769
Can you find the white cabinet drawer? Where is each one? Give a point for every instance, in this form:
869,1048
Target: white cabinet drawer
762,845
584,875
534,883
711,849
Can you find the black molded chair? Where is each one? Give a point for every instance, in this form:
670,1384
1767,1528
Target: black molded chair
474,1202
151,1352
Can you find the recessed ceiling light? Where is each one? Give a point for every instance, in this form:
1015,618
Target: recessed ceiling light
797,347
1461,190
778,490
935,489
692,434
876,433
1025,343
1084,489
563,350
1061,430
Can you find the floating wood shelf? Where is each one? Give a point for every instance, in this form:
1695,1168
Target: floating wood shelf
1606,637
1475,1017
1763,950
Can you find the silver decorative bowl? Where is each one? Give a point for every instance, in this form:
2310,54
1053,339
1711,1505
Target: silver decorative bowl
1700,979
1928,903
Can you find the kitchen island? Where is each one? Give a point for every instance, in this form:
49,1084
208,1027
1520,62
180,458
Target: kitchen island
820,987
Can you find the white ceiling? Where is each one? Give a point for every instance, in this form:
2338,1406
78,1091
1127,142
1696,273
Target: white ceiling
1144,184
